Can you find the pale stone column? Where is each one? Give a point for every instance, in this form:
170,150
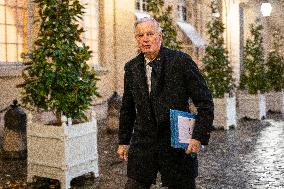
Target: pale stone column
106,47
265,21
125,47
231,20
116,41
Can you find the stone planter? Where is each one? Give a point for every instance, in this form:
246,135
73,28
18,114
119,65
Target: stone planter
275,101
251,106
62,152
225,112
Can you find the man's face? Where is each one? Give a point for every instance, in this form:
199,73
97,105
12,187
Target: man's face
148,38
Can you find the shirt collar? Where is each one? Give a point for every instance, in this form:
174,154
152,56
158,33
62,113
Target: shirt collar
147,60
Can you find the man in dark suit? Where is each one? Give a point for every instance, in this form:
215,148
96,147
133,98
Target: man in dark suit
157,80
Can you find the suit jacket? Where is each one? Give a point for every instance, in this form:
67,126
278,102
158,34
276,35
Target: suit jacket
144,118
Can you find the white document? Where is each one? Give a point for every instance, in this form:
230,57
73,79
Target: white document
185,127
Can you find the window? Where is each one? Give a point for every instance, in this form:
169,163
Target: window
13,30
141,5
181,11
91,27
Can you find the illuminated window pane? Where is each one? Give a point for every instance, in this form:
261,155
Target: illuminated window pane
2,14
12,37
11,3
2,33
12,53
11,16
2,52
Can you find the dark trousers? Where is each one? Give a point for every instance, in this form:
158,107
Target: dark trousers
133,184
178,170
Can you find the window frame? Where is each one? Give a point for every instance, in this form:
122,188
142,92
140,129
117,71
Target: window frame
14,18
90,37
181,11
141,5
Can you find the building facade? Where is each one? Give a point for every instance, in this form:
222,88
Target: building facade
110,34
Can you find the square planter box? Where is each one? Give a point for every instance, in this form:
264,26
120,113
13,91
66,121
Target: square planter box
251,106
225,112
62,152
275,101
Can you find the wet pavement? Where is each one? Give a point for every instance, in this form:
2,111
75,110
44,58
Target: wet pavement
266,162
251,156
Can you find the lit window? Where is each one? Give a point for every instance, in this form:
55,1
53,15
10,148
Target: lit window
91,27
13,30
141,5
181,11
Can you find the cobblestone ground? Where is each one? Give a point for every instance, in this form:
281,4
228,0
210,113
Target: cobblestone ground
251,156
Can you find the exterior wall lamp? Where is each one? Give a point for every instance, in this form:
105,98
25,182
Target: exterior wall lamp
266,9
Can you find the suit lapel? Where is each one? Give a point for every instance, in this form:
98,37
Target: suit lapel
159,64
139,76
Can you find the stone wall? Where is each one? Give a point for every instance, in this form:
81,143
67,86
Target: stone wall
10,76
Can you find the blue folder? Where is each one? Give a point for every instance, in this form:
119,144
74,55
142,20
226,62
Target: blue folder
180,136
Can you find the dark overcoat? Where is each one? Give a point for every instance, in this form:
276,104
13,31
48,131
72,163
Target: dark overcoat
145,118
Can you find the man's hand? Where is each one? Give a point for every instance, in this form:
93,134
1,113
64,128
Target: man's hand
122,152
193,147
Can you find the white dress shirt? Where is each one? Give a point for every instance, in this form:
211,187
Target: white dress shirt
148,73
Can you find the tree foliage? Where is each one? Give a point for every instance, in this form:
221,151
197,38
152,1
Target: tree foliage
253,76
163,15
57,77
275,63
217,69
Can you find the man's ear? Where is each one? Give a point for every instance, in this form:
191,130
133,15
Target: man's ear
161,35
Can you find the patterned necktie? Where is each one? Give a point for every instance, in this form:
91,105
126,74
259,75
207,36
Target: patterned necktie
153,75
148,75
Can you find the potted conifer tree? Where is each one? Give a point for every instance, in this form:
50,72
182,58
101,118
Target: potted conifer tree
57,78
253,84
275,74
218,74
163,15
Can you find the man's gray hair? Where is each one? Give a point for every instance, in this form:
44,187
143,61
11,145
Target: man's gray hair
147,19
